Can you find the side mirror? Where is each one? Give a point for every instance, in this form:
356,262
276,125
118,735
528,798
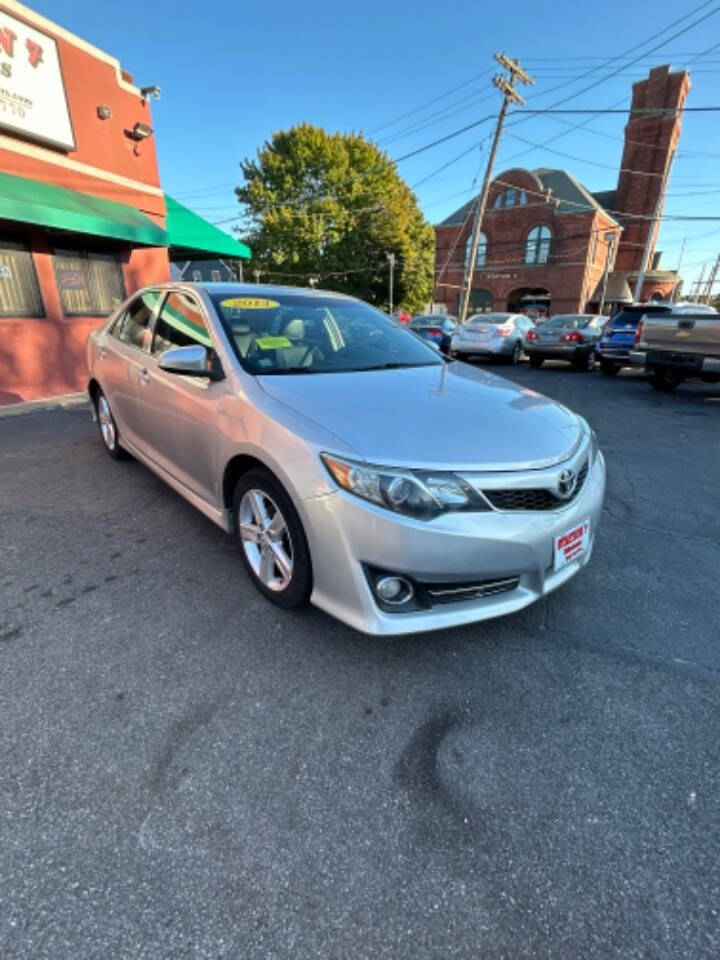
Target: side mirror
195,361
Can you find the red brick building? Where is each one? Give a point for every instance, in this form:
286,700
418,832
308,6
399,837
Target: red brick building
547,241
83,218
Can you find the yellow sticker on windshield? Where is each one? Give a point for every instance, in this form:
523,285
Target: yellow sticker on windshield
249,303
273,343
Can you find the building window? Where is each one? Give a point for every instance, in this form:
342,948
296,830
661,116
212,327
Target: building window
19,288
511,197
481,301
537,245
89,284
593,246
481,251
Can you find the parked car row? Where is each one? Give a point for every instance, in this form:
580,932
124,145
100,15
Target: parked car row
674,342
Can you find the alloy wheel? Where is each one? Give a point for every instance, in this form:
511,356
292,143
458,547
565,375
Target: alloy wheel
265,539
107,424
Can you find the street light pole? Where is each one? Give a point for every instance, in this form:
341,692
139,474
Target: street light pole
256,274
507,88
391,262
610,241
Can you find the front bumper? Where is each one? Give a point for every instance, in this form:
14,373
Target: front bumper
347,534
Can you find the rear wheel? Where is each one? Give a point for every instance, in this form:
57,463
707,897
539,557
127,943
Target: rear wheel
516,354
272,541
109,433
536,362
664,379
609,369
586,362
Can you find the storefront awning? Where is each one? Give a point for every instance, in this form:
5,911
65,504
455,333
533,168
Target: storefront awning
31,201
189,235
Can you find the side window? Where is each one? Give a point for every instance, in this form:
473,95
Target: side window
133,325
181,324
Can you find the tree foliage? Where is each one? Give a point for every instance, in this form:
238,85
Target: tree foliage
333,206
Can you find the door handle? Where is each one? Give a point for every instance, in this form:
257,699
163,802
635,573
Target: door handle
103,353
144,374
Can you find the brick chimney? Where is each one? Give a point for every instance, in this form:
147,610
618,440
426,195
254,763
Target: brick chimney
651,135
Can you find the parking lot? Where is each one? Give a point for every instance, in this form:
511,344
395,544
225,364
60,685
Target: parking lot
189,772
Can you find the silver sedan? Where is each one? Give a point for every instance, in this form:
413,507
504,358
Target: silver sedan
491,335
395,489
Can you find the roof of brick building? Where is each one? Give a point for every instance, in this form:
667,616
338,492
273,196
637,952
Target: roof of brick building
573,197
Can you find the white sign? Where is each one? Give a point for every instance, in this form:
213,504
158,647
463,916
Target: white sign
32,92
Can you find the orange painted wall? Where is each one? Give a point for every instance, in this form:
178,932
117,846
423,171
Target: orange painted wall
41,357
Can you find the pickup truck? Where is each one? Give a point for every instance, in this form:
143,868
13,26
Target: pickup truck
681,344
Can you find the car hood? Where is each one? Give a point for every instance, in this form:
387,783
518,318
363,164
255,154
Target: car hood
452,416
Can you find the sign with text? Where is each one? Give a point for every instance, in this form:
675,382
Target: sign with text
32,92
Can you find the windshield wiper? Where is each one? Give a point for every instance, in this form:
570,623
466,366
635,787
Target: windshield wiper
394,365
281,371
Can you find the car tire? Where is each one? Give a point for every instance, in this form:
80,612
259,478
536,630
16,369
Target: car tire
108,428
275,553
515,356
664,380
586,362
609,369
536,362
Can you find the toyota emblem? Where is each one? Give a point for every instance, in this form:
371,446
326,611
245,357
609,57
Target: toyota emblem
566,484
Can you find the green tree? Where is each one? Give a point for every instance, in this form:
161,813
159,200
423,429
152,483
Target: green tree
332,206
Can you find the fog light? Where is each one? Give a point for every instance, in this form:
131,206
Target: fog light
394,589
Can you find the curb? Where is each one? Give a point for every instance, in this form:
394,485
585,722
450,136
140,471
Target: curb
63,402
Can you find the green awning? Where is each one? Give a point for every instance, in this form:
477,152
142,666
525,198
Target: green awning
31,201
189,233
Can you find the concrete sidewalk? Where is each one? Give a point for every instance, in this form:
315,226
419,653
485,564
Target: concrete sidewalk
48,403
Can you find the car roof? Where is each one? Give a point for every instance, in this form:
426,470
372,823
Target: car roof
248,289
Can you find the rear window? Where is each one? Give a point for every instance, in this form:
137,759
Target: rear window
626,318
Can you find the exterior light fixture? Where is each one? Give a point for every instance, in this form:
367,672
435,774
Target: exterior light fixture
104,112
141,131
151,91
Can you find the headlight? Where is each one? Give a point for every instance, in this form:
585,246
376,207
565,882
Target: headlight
416,493
594,449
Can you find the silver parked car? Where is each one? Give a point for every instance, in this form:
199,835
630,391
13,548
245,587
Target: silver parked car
566,336
356,467
492,334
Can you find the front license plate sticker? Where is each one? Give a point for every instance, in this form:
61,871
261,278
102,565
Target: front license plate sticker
572,545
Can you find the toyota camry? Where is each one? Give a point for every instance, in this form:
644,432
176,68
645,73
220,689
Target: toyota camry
357,468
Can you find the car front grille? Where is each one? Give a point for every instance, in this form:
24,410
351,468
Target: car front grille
455,592
539,498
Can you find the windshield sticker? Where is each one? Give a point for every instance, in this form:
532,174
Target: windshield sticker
249,303
273,343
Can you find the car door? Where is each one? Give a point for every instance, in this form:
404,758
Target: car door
122,353
180,411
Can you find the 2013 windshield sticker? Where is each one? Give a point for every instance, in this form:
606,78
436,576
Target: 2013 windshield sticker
273,343
249,303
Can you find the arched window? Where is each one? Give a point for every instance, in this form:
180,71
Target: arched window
511,197
537,245
481,251
481,301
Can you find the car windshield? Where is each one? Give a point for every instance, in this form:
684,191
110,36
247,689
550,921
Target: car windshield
282,333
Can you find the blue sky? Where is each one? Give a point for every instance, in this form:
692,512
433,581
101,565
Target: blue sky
233,73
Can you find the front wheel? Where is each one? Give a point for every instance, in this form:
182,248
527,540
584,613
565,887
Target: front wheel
536,362
272,541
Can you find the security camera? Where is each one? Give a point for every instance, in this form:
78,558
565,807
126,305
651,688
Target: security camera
152,91
141,131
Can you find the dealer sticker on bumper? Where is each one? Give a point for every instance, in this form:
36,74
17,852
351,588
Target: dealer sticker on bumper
572,545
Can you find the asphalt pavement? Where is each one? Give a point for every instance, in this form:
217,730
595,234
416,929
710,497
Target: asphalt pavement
189,772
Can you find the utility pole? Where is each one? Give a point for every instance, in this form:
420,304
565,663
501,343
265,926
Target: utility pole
391,263
673,295
698,284
651,231
710,282
507,88
610,241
